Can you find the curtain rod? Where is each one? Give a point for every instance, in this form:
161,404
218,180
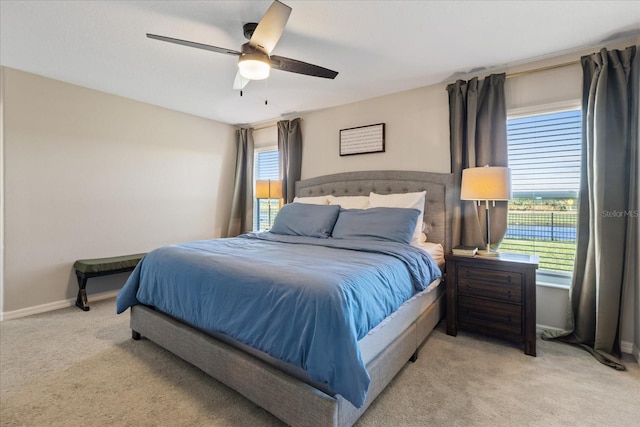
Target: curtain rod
519,73
271,125
633,34
267,126
537,70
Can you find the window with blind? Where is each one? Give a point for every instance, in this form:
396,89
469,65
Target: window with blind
544,157
266,167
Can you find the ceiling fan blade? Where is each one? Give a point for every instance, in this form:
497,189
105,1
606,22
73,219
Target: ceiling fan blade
194,44
240,82
270,27
295,66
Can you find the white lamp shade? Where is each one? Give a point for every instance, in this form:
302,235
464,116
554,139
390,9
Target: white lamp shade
486,183
268,189
254,66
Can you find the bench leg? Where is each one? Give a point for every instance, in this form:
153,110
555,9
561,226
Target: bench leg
81,300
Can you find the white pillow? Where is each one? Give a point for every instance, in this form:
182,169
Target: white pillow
402,200
350,202
318,200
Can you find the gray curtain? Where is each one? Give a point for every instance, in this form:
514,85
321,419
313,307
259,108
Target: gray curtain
290,153
241,220
478,132
607,246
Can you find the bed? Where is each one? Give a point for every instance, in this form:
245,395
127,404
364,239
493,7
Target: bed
304,397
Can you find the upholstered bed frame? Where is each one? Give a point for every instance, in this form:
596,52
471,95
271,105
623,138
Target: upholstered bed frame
290,399
437,204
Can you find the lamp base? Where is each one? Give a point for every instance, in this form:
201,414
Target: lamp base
486,253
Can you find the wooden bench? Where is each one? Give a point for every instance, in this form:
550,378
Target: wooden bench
88,268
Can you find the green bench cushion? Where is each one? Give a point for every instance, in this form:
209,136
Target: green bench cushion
99,265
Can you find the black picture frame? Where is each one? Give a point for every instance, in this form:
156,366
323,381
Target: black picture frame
362,140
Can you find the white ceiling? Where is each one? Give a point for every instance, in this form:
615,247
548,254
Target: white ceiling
378,47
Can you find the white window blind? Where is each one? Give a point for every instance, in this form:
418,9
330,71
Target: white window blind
544,157
266,165
544,154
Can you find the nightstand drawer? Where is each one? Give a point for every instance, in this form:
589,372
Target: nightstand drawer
490,317
493,296
502,285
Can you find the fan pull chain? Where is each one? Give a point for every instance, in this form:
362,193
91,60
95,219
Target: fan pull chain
241,85
266,91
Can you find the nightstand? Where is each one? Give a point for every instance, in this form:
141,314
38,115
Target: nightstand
493,296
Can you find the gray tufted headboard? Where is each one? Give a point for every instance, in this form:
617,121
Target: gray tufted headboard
438,202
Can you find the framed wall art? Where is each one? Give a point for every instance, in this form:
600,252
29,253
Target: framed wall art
362,139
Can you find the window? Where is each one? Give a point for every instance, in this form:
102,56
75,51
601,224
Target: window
544,157
266,166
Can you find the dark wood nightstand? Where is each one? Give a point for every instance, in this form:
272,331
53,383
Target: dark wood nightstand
493,296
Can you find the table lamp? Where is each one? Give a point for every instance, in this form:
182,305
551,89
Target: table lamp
488,183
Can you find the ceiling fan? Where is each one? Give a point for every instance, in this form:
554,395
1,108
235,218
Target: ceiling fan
255,59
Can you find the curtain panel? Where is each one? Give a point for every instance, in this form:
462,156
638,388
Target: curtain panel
290,154
478,136
241,219
607,245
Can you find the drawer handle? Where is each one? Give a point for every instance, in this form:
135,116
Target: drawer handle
483,316
480,314
468,287
468,274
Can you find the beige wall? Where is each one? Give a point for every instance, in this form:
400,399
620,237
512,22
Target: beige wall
416,134
88,174
417,138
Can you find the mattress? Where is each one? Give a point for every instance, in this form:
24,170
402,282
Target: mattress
387,330
435,250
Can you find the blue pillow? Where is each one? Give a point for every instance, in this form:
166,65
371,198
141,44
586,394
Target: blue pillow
392,224
303,219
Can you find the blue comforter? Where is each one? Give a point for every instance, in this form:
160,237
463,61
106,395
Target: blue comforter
303,300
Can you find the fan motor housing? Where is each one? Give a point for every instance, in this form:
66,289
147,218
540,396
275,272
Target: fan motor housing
248,29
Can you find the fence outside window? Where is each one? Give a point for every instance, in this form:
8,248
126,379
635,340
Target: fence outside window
262,218
550,234
544,156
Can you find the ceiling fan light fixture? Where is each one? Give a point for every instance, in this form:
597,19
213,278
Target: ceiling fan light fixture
254,66
254,59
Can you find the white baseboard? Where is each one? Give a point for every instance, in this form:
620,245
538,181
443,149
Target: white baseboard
541,328
23,312
625,346
629,348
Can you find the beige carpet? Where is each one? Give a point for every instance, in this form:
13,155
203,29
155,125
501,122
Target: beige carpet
70,368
